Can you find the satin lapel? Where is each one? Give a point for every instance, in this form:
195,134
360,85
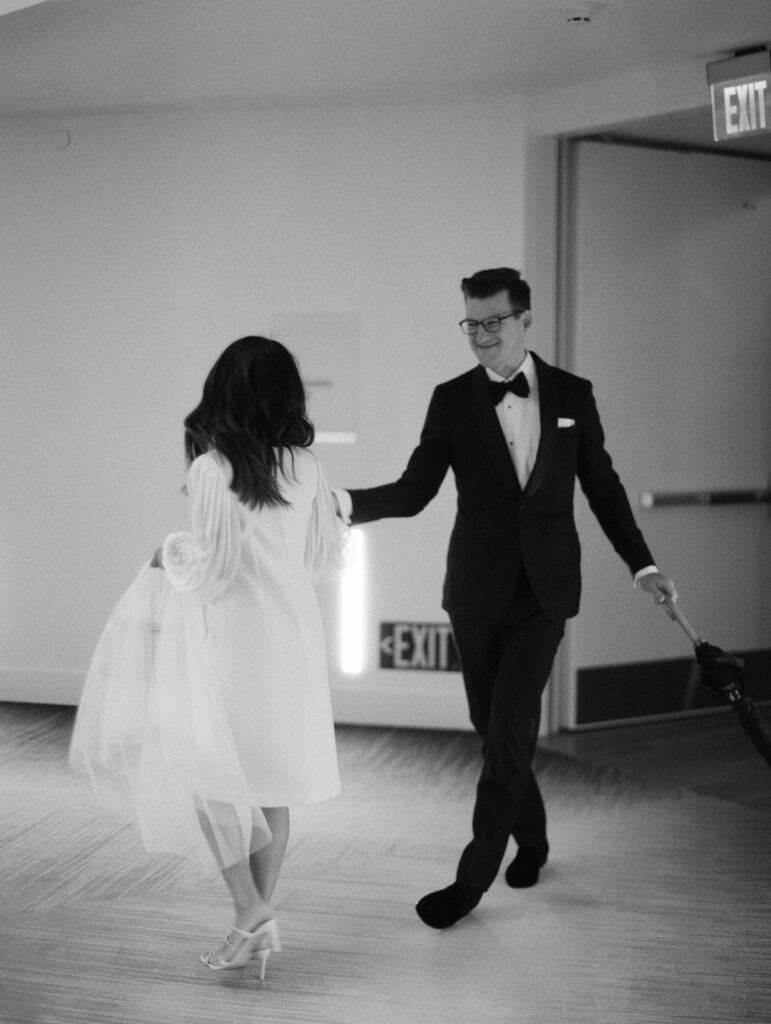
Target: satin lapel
547,403
490,426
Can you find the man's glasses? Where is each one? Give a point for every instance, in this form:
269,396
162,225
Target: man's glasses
492,324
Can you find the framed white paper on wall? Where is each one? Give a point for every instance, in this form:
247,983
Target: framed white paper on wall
327,348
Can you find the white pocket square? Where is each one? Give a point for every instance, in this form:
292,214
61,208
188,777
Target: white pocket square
563,422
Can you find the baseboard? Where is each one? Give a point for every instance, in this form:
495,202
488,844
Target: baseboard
363,704
606,695
32,686
400,708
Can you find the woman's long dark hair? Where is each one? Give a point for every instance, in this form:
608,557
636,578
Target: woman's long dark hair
252,410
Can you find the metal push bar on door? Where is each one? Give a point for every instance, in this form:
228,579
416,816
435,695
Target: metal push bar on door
659,499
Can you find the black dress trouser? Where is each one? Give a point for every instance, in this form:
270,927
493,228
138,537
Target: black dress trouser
506,664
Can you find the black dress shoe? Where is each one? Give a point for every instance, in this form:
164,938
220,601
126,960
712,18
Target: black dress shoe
526,866
446,906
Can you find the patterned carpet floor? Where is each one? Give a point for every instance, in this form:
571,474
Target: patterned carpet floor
654,908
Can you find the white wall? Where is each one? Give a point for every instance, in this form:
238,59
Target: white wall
131,256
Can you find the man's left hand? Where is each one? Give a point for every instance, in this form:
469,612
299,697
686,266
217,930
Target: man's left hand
659,585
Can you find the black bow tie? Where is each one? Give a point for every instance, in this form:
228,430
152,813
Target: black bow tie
517,386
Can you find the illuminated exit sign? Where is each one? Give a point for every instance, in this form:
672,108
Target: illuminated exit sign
740,88
418,645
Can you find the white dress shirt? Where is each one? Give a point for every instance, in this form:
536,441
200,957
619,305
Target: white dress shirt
520,420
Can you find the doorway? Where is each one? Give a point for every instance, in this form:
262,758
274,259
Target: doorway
666,309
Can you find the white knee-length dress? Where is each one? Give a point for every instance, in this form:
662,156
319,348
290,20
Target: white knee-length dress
207,698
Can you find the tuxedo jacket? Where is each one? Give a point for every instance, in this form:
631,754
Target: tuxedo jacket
499,527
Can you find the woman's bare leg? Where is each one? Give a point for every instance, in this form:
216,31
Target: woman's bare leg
250,908
265,863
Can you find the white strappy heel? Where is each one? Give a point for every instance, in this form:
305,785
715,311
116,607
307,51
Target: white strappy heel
240,947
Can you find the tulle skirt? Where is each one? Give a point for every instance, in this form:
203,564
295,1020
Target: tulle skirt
153,735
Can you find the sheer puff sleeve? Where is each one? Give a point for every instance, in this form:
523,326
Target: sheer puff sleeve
203,561
327,534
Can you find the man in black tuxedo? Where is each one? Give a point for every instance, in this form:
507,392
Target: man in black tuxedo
517,433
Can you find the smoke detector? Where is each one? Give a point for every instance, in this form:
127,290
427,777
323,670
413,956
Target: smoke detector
581,13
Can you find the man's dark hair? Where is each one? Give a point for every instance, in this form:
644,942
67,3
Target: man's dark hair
485,283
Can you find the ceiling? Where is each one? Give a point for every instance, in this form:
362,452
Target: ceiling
86,56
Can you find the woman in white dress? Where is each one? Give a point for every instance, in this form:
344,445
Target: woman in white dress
206,711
